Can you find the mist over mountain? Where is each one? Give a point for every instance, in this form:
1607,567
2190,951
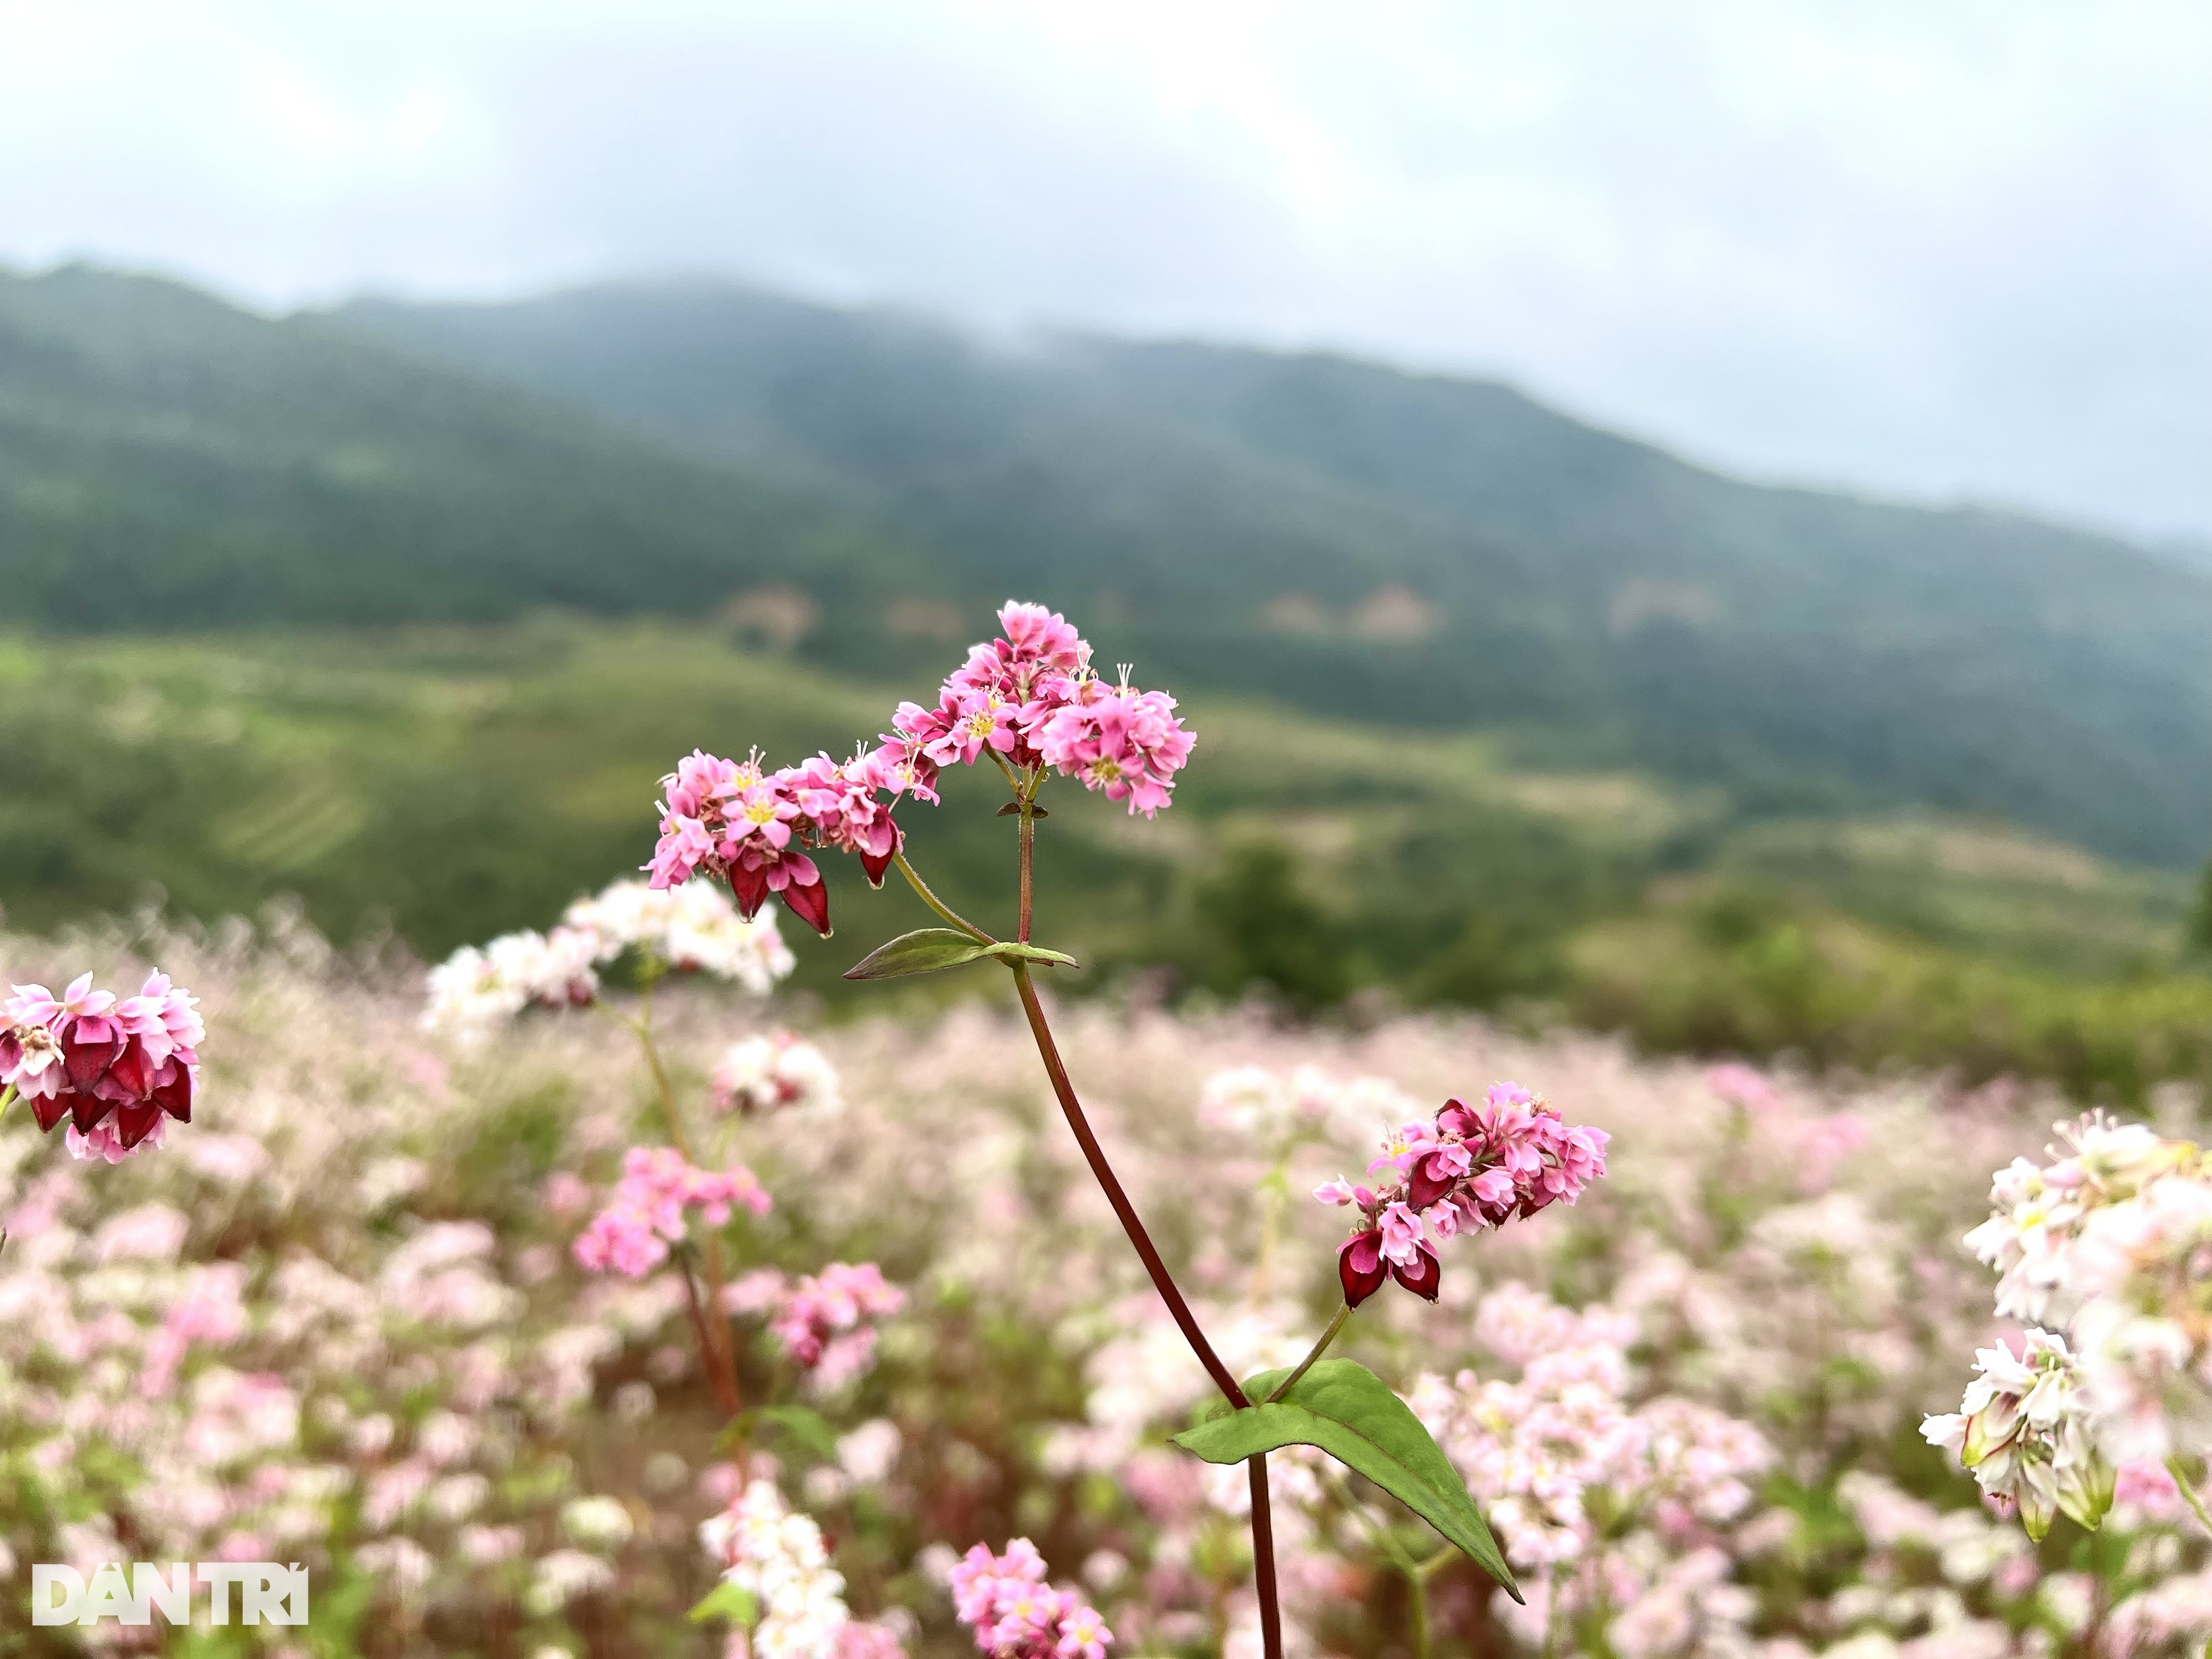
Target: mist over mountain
854,485
1360,540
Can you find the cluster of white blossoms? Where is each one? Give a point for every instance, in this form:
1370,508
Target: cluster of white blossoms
777,1555
2108,1247
775,1071
695,928
1275,1111
2024,1432
475,990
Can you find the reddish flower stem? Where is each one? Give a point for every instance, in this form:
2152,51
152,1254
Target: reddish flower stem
725,1384
1263,1534
1095,1155
1263,1560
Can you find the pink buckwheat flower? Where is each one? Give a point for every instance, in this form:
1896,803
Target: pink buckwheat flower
1472,1167
105,1143
752,829
648,1213
840,803
1030,697
819,1320
1039,640
621,1241
102,1063
1126,742
1016,1615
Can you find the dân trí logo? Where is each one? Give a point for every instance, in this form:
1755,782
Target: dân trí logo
268,1593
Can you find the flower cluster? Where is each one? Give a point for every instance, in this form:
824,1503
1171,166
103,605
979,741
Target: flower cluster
476,989
1610,1507
821,1320
2025,1430
1470,1167
776,1556
1000,699
1016,1615
1030,697
115,1067
752,828
692,929
2111,1241
632,1235
2040,1212
773,1071
1536,1450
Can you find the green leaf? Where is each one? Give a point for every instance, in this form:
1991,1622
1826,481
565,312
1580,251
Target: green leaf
1346,1411
1010,952
923,951
803,1424
727,1600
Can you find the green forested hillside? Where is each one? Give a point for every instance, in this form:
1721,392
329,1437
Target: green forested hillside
1422,552
1426,551
167,460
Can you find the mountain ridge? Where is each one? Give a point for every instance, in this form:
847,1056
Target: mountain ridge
1594,583
856,487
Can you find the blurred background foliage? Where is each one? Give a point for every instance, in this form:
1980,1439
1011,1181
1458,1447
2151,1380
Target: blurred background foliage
446,784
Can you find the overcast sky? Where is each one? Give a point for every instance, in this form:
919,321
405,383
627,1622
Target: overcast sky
1941,250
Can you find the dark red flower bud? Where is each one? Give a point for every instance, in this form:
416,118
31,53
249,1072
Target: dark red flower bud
133,1123
1456,1120
1423,1277
873,868
1426,1183
51,1110
87,1111
749,889
89,1049
810,904
173,1092
133,1070
1359,1267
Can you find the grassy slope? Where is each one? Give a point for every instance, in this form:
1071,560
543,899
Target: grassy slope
459,783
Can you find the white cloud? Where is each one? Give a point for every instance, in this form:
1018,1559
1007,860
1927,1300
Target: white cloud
1951,248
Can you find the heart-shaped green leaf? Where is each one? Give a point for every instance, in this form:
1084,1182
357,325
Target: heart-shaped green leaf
1347,1410
727,1600
923,951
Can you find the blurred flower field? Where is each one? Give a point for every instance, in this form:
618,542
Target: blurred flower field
342,1318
